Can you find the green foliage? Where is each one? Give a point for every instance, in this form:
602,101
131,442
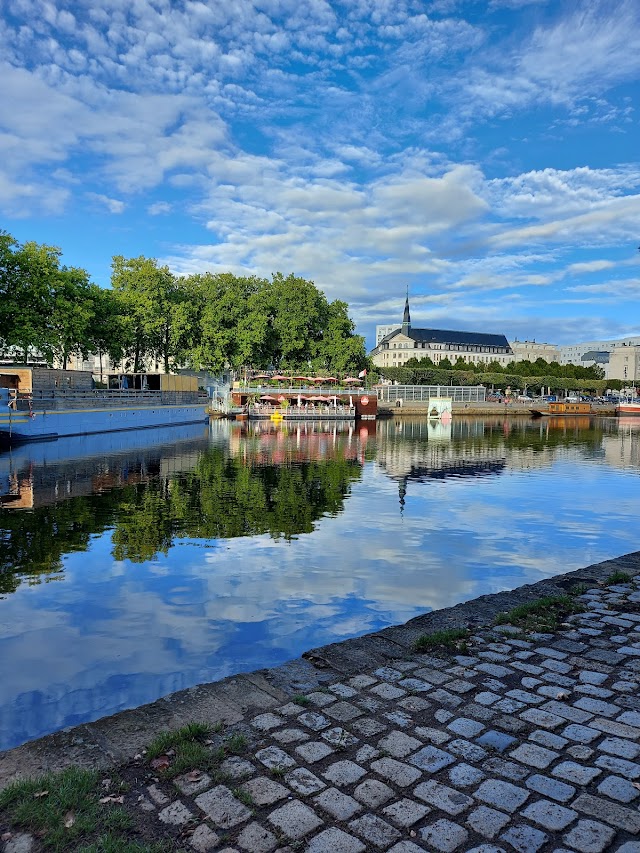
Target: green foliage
62,808
618,577
451,639
543,614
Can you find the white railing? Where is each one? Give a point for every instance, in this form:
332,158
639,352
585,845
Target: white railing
422,393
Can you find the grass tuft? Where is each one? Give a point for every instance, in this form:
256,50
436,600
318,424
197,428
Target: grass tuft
302,700
543,615
618,577
452,640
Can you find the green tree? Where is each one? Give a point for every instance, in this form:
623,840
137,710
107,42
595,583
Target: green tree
72,313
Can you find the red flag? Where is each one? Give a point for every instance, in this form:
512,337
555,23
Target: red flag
362,374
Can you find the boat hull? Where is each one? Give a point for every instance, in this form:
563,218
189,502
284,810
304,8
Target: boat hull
626,409
20,426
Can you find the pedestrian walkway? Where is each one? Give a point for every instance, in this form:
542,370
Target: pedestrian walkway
525,741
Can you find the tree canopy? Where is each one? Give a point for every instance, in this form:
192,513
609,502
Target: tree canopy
153,319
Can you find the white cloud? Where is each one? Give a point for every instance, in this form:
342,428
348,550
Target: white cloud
113,205
159,208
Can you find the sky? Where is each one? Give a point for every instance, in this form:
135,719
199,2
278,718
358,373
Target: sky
485,155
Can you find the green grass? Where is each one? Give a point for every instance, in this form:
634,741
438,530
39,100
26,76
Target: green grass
190,748
452,640
302,700
544,615
62,808
618,577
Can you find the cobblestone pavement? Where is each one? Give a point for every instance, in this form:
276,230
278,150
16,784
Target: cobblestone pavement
524,743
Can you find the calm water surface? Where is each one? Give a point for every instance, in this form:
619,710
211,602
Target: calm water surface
136,565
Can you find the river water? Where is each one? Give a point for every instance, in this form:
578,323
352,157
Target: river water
135,565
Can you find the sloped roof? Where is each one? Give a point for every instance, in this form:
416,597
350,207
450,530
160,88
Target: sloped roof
447,336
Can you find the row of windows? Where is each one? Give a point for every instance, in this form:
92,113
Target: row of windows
448,347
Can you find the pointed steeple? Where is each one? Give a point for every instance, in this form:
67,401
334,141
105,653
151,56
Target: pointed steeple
406,319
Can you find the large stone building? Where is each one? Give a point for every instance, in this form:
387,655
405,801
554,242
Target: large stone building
531,351
405,342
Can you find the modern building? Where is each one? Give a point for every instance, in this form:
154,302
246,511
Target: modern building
574,353
532,351
383,331
405,342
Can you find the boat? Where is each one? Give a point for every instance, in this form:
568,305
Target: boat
563,408
39,403
628,407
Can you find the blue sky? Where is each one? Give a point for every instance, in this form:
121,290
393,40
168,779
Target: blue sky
484,154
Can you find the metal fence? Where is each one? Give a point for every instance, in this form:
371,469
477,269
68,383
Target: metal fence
420,393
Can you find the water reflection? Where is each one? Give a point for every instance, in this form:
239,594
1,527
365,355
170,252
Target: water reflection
183,556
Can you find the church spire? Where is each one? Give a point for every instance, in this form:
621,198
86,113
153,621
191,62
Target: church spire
406,319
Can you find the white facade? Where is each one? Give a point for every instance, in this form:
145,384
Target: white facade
624,363
572,353
383,331
531,351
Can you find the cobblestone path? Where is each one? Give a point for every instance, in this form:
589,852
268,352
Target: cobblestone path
527,744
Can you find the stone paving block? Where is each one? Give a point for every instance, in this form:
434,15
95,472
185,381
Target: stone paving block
368,727
222,807
524,839
343,712
295,819
432,675
314,751
618,789
339,805
22,842
388,691
496,740
525,696
481,713
264,791
369,703
550,787
405,813
596,692
374,830
157,796
620,747
442,797
597,706
399,718
257,839
576,715
548,739
302,781
618,816
591,677
465,727
508,769
432,735
631,718
275,758
188,786
611,727
444,835
339,737
344,772
446,699
175,814
539,717
580,752
399,744
459,685
629,769
509,706
290,735
582,734
319,699
494,669
467,750
344,691
236,767
502,795
266,722
373,793
431,759
313,720
397,772
577,773
366,753
463,775
414,703
416,685
534,756
406,847
486,697
589,836
359,682
549,815
334,840
203,839
387,673
487,822
629,847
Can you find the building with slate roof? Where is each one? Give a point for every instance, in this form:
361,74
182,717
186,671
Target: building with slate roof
403,343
